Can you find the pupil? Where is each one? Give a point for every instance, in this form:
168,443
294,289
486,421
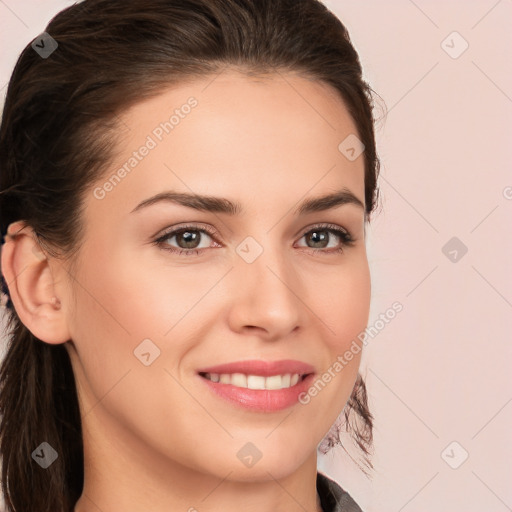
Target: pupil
317,237
323,237
186,235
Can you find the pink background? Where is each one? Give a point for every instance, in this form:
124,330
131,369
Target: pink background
439,372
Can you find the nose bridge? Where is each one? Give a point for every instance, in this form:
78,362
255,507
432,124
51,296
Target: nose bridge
267,286
265,259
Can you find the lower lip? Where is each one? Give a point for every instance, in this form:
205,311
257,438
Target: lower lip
263,400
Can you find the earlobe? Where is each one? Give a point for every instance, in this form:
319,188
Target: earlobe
28,274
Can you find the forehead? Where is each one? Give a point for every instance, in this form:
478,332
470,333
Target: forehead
235,135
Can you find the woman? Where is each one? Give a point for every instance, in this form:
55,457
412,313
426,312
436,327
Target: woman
185,186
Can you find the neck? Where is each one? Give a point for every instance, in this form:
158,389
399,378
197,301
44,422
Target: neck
121,473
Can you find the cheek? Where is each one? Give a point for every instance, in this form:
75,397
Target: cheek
342,304
341,299
127,300
138,299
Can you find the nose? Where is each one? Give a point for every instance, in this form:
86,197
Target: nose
267,296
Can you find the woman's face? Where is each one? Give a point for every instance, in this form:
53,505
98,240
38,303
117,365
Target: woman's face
260,283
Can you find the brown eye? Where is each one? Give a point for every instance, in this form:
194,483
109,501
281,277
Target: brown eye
187,240
319,238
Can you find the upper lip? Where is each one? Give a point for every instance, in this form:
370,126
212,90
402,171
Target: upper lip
260,367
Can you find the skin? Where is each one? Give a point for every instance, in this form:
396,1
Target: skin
155,438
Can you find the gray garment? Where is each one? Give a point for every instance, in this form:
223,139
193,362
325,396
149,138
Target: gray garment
332,497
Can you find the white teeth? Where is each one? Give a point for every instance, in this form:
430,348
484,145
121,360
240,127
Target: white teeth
273,382
255,381
239,379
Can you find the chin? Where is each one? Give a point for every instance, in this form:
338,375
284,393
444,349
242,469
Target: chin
276,464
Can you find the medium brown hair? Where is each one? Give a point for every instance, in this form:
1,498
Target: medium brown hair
57,137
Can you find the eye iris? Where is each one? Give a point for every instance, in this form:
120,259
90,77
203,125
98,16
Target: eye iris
315,234
187,236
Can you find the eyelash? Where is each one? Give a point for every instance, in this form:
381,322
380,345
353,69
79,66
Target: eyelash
346,239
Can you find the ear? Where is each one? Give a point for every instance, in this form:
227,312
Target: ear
27,271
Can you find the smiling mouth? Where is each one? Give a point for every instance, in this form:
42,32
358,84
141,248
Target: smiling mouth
256,382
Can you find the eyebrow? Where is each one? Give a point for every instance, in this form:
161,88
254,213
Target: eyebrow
223,205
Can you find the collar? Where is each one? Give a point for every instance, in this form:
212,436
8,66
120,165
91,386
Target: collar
332,497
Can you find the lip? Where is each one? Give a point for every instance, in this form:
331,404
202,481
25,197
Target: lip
260,367
260,400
